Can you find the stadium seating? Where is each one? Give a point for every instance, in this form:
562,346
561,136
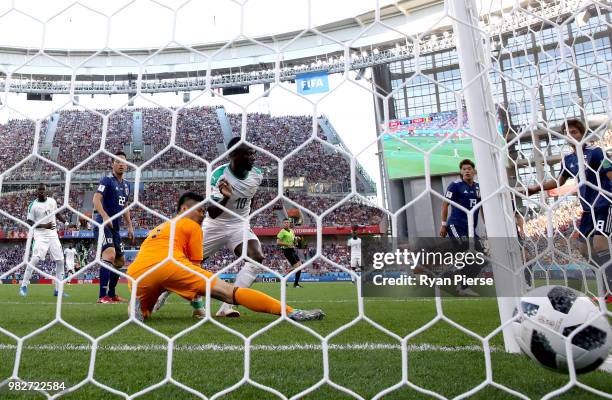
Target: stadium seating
78,135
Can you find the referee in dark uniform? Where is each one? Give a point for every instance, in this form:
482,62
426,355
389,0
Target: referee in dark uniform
286,240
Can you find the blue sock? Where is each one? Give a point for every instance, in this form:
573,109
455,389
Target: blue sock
104,278
114,278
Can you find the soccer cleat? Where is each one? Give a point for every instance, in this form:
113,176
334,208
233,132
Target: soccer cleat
306,315
227,312
138,311
199,313
467,292
23,291
161,300
298,286
104,300
55,292
117,299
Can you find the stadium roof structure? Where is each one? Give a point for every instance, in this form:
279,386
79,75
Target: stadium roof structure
348,44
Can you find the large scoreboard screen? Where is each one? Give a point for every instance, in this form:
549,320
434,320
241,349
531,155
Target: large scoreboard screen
407,140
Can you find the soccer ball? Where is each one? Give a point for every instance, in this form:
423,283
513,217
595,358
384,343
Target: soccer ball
562,310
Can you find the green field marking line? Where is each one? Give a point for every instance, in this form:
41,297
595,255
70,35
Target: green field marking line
367,346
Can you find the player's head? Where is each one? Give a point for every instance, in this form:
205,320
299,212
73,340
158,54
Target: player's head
574,128
354,231
242,157
286,223
467,169
118,164
188,200
41,192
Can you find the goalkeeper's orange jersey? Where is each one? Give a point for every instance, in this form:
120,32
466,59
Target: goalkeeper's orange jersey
188,246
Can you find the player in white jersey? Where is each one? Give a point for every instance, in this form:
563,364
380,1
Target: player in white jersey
233,186
70,256
42,213
354,243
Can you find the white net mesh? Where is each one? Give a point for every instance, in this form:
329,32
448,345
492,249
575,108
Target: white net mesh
526,67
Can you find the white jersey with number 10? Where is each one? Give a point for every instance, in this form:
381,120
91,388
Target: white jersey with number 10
243,191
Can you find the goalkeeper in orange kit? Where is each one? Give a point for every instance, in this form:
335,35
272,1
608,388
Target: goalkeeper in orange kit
183,280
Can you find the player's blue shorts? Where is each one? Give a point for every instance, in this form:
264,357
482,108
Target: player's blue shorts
598,221
457,231
111,238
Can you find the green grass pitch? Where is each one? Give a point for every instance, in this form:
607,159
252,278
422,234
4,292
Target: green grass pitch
404,161
285,357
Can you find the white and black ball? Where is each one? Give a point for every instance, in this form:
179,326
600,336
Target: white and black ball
562,310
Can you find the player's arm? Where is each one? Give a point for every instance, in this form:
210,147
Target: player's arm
195,246
444,218
279,238
128,221
444,210
606,164
30,217
97,203
225,190
549,184
60,217
97,199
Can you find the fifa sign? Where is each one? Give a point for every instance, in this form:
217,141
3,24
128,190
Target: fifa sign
312,83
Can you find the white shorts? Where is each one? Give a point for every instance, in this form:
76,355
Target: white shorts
355,262
69,266
217,236
47,243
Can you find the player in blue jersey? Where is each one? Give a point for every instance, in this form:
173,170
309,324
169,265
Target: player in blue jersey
110,199
466,193
596,221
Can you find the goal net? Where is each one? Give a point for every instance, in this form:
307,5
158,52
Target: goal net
357,127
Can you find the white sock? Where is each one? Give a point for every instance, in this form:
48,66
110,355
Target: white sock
28,272
245,279
246,276
59,272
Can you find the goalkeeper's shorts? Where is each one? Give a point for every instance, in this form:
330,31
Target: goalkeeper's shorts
169,277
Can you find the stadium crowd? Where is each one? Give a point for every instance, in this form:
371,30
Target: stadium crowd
79,135
557,249
281,135
563,218
17,140
79,132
